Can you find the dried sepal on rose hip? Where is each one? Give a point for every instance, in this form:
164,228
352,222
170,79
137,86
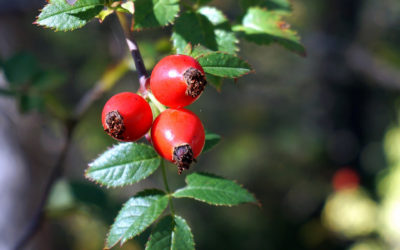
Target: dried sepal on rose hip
178,136
126,117
177,81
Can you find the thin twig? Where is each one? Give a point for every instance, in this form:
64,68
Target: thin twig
56,171
87,100
380,72
165,180
106,82
135,52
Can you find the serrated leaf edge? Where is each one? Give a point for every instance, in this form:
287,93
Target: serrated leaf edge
295,33
225,53
36,22
101,184
257,202
138,193
190,230
160,26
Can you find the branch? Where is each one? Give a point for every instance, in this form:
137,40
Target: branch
105,83
135,52
34,224
362,61
108,79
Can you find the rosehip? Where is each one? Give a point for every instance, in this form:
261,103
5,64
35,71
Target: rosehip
178,136
177,81
126,116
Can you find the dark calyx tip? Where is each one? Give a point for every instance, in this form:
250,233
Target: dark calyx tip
183,157
196,82
115,124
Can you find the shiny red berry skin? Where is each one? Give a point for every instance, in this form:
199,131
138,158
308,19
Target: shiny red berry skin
126,116
177,81
178,136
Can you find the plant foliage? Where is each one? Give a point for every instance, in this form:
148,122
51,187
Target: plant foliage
199,30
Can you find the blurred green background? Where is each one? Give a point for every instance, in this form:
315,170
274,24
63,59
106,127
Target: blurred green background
316,139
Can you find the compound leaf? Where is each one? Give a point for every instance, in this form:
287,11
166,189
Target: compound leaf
136,215
214,190
125,163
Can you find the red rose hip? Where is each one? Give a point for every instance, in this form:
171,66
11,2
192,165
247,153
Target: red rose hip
126,116
178,136
177,81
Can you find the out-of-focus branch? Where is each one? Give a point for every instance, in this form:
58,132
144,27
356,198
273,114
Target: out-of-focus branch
56,171
135,52
108,79
380,72
106,82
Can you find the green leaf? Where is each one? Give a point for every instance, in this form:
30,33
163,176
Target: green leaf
213,14
171,233
61,16
48,80
198,51
193,28
188,49
226,39
264,27
128,6
211,141
136,215
125,163
155,13
214,190
215,81
224,65
29,102
20,69
281,6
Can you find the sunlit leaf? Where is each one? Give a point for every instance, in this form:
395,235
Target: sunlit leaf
155,13
281,6
213,14
61,16
193,28
265,27
225,37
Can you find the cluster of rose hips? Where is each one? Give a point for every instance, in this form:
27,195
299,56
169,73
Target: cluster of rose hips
177,134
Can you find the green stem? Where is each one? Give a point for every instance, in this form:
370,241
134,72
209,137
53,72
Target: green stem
164,174
159,106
